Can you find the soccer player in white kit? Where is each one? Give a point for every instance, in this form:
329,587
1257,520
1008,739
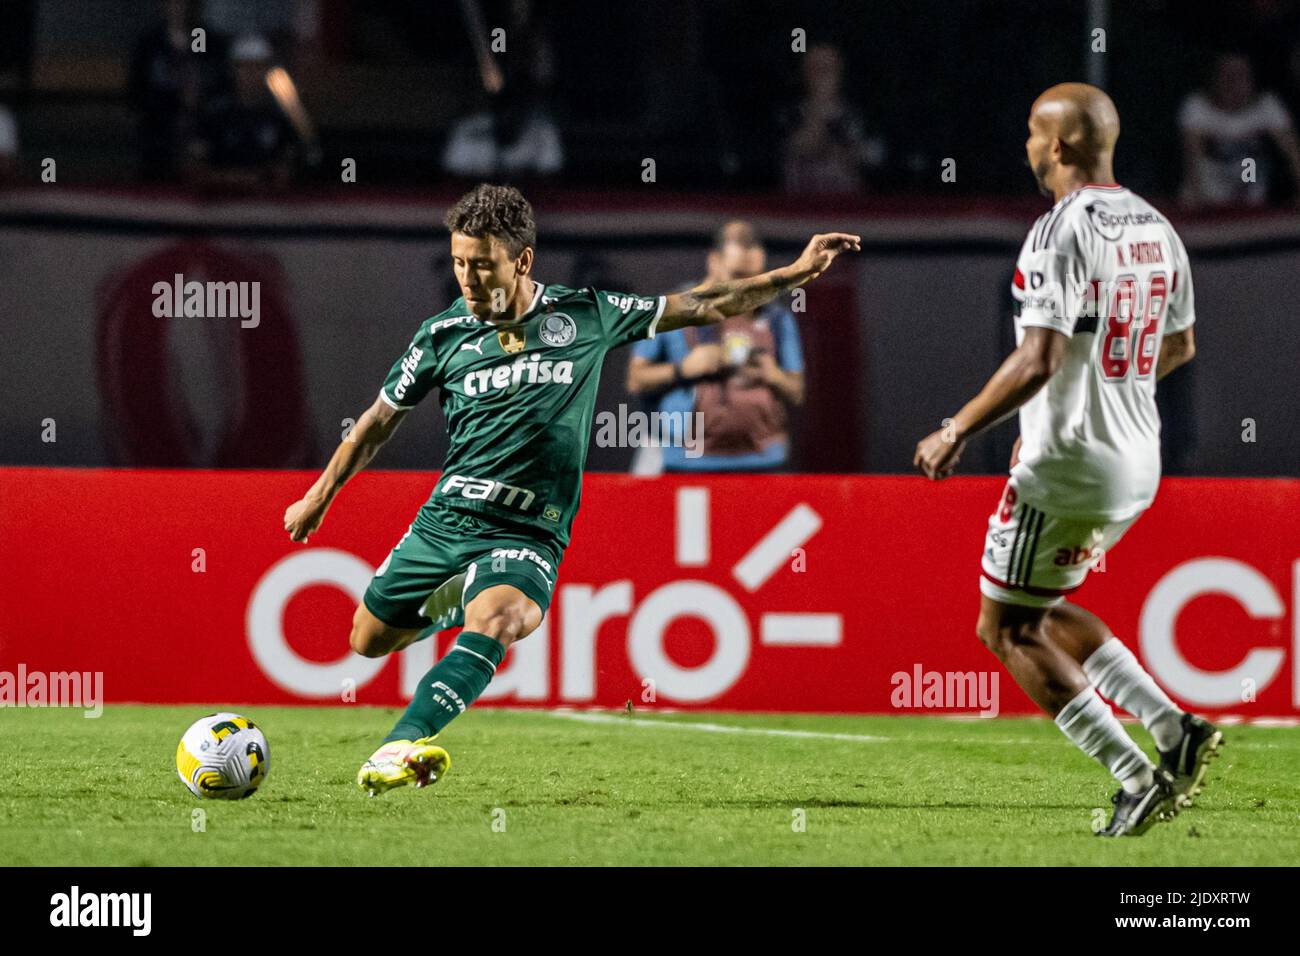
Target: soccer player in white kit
1104,309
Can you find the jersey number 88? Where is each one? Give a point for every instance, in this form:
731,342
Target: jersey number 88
1118,350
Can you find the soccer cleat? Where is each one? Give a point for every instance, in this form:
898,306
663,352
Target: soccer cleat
1136,812
400,762
1188,760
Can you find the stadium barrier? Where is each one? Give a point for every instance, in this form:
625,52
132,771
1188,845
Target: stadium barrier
772,593
895,337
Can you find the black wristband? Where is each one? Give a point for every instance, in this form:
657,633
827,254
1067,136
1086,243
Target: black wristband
678,378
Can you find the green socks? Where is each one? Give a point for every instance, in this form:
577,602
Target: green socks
450,687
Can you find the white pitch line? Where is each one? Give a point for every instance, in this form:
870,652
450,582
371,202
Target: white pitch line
712,728
588,717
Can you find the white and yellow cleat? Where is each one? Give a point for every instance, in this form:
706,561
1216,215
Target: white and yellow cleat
400,762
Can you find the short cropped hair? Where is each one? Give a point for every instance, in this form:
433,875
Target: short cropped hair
500,211
736,230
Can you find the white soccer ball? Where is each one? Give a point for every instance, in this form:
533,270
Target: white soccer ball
223,756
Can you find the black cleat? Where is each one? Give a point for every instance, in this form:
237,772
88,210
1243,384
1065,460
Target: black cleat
1136,812
1188,760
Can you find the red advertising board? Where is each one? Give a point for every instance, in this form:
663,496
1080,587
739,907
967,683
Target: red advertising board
771,593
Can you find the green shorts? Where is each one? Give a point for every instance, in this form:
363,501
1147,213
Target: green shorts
447,557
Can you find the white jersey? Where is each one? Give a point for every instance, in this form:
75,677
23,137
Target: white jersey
1104,268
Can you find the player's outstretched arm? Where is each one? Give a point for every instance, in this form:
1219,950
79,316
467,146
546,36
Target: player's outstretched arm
375,427
713,303
1024,372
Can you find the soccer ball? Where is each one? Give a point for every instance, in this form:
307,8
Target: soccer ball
223,756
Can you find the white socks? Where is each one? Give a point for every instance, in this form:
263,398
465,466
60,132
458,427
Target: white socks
1088,721
1118,676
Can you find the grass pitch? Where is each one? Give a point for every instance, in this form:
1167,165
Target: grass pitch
530,788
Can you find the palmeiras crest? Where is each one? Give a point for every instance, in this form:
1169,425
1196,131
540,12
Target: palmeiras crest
557,329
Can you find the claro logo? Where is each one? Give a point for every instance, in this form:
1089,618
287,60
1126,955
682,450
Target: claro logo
581,610
1261,601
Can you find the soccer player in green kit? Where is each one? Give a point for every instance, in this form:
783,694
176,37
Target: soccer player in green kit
517,364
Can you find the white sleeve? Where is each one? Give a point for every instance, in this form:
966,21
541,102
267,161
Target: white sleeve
550,152
469,152
1055,276
1273,115
1192,114
1180,313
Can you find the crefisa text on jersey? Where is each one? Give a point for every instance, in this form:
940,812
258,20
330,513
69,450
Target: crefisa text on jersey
530,368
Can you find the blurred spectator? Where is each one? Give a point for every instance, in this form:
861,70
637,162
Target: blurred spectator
827,149
1225,125
243,139
277,19
517,135
8,146
509,139
739,375
169,83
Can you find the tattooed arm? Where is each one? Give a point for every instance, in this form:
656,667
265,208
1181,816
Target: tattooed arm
713,303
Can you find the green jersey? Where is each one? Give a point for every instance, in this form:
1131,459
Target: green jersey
519,399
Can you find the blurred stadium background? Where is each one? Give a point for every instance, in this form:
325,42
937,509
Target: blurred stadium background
127,160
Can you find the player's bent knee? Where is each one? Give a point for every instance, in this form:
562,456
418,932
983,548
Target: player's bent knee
1003,628
503,618
365,643
368,637
1001,636
989,631
504,624
990,636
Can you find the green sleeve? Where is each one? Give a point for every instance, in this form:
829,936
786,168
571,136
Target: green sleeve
414,375
626,317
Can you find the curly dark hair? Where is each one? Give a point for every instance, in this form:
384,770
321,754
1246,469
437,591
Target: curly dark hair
500,211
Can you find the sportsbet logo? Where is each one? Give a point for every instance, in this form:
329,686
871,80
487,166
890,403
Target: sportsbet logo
525,368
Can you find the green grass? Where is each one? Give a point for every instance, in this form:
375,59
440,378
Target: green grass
1007,791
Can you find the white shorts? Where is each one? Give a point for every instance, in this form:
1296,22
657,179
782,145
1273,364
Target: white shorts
1034,559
